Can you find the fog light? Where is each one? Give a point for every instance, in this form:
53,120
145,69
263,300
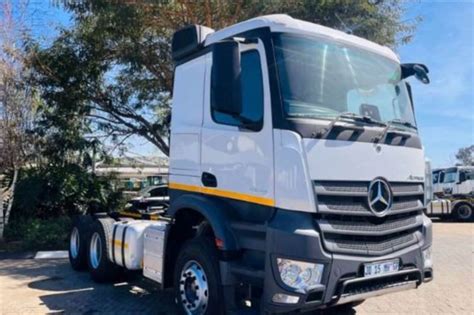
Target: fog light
285,298
427,258
298,274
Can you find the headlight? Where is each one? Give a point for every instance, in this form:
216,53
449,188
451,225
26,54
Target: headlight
298,274
427,259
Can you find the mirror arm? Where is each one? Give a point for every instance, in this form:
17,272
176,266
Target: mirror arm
408,69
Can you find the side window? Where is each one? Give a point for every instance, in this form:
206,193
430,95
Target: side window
252,91
159,192
449,177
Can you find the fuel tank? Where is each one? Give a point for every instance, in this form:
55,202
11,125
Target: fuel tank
127,243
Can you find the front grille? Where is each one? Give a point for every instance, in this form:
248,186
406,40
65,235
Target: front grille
371,246
345,186
359,205
349,226
364,226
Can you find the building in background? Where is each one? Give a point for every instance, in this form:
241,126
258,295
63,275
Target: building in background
131,174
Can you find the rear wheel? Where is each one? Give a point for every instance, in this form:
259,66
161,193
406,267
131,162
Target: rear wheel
78,240
197,283
464,212
100,267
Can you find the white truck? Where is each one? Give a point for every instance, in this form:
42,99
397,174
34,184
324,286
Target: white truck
296,176
453,193
455,181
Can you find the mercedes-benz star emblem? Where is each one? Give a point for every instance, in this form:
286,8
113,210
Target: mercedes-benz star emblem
379,197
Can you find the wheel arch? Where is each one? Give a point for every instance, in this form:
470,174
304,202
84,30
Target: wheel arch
213,211
188,212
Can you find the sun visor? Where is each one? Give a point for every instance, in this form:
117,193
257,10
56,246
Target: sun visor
189,40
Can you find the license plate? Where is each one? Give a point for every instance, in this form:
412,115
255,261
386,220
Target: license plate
381,268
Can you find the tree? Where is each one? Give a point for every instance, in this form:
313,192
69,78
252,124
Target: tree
465,156
112,71
16,104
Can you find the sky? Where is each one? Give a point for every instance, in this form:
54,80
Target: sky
444,41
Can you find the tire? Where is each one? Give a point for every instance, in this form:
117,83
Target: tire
101,268
197,283
78,242
464,212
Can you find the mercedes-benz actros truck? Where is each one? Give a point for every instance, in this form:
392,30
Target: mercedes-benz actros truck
453,193
296,176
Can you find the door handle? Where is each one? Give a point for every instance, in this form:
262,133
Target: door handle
208,179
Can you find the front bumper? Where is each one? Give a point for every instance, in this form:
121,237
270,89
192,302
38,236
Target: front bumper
293,235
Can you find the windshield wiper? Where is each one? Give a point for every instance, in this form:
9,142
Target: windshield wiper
402,122
349,116
390,124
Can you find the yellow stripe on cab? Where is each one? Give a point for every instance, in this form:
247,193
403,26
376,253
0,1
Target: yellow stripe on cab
223,193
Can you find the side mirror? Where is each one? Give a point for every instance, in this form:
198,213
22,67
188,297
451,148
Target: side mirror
421,74
419,70
225,78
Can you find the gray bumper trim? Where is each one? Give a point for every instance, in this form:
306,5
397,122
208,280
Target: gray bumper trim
389,289
376,291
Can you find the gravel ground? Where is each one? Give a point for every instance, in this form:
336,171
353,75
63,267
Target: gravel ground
32,286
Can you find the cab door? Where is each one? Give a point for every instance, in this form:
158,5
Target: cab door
237,164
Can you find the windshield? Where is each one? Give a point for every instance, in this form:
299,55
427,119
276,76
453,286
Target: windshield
320,78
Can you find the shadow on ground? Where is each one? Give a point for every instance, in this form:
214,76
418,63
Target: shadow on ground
64,291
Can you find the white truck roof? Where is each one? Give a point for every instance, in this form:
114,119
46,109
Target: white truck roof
285,23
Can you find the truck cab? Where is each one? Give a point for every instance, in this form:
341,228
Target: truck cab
296,173
457,181
303,139
453,191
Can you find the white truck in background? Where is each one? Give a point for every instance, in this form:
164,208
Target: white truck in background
454,181
453,193
296,176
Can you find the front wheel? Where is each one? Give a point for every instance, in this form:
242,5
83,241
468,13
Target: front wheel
197,280
464,212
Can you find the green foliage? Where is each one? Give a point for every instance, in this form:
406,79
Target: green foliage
465,156
47,197
111,74
39,234
57,191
